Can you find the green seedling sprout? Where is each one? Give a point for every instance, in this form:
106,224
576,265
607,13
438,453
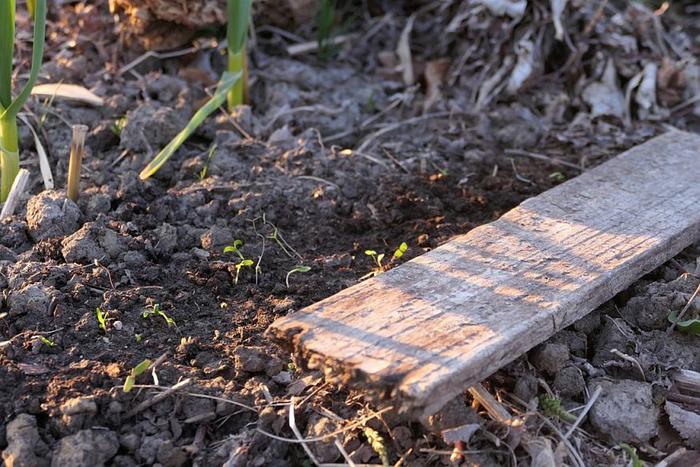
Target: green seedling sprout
156,310
241,265
118,125
300,268
325,21
552,406
378,258
9,107
236,33
225,84
635,461
101,319
136,371
235,247
378,445
205,169
47,342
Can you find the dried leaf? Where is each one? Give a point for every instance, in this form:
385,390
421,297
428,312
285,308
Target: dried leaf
524,67
435,71
68,91
513,8
403,50
461,433
491,86
605,96
558,7
687,423
44,166
646,93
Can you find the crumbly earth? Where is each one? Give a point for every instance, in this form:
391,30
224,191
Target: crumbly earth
276,176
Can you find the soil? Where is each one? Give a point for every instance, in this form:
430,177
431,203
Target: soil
277,176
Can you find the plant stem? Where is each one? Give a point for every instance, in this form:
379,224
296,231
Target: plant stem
77,149
237,62
9,155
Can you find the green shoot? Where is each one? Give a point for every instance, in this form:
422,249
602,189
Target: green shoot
634,457
688,325
281,242
236,33
552,406
137,338
136,371
378,258
325,21
9,107
299,268
101,319
205,169
47,342
225,84
155,310
377,442
241,265
118,125
235,247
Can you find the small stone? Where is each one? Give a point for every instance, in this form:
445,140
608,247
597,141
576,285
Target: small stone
134,259
22,440
526,387
216,238
86,448
550,358
50,214
32,298
569,382
625,411
79,405
118,325
283,378
7,254
256,360
93,241
325,451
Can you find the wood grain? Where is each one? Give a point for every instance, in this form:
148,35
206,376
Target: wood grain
426,330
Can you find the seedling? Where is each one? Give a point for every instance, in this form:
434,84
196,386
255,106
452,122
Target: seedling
9,107
205,169
101,319
299,268
325,22
47,342
235,247
379,258
243,264
155,310
118,125
136,371
378,445
281,242
552,406
236,32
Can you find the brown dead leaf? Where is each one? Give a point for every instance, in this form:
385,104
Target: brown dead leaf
670,83
435,71
33,368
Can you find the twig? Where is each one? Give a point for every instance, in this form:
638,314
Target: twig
201,396
158,397
162,55
297,433
311,46
344,453
552,160
583,413
630,359
15,192
411,121
574,453
672,458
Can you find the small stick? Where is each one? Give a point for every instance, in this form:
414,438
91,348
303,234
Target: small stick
297,433
158,397
15,191
583,413
77,149
310,46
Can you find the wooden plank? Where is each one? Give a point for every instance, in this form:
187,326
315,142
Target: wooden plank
426,330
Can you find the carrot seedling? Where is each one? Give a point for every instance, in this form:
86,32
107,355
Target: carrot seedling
378,258
9,107
101,319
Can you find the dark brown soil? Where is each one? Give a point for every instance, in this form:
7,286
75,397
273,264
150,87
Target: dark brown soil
135,245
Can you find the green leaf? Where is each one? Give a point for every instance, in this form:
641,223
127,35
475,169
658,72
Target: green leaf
226,82
380,258
129,383
101,319
691,326
246,262
238,20
7,43
370,252
302,269
230,249
37,55
141,367
400,250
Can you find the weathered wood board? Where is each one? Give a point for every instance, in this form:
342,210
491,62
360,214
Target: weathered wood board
426,330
